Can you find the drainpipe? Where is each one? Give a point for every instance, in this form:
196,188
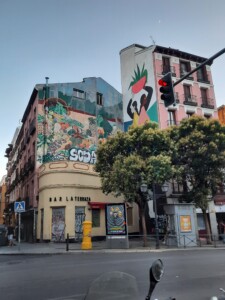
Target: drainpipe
45,119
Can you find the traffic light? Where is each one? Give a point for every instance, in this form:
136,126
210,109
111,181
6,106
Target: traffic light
167,90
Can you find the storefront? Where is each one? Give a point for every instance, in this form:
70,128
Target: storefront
70,193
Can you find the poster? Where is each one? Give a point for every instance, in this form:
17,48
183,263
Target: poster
185,224
116,219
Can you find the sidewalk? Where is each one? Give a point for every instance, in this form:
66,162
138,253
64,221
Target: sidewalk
97,246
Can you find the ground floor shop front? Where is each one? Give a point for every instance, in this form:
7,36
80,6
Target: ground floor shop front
69,194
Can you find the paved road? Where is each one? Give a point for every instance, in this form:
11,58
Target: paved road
193,274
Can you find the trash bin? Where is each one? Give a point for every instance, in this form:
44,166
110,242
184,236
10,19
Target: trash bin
3,237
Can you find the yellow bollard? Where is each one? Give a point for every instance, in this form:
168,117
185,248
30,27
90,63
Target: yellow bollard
86,242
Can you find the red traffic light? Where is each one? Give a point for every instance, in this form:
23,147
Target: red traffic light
162,82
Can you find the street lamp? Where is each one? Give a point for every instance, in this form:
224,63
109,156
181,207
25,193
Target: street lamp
144,187
164,188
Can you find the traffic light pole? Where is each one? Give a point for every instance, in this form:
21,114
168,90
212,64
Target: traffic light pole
201,65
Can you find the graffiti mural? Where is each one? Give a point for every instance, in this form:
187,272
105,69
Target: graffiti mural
71,126
140,101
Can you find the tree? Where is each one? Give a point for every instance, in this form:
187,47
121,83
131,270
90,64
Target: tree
199,157
130,158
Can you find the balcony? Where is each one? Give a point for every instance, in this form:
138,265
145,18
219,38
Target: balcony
166,69
190,100
207,103
171,123
183,73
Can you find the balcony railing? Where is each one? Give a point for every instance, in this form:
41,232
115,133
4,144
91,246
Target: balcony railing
202,78
190,100
183,73
166,69
207,103
171,123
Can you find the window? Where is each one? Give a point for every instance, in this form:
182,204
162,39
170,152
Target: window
187,92
130,216
78,93
184,67
166,65
177,187
171,117
99,99
96,217
202,74
204,96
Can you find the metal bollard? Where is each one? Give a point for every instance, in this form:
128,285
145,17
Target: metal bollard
67,242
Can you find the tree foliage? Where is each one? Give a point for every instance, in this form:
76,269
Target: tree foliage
199,157
129,158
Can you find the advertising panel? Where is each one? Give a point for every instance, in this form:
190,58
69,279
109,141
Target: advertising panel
116,219
185,224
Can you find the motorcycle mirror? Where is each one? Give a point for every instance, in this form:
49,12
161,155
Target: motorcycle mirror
155,274
156,270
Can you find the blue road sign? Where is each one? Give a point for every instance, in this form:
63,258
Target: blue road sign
19,207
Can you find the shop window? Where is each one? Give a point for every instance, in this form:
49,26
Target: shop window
130,216
200,222
95,218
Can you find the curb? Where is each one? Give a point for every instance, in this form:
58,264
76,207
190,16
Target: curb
72,252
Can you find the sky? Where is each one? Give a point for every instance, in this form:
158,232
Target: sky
68,40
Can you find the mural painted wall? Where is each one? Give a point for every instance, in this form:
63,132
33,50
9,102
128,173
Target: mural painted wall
71,124
138,85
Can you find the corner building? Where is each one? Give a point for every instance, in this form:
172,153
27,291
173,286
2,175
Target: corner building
69,121
141,69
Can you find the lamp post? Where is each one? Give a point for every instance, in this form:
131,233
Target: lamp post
143,189
164,188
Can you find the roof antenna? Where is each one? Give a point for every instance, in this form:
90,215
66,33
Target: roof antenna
152,40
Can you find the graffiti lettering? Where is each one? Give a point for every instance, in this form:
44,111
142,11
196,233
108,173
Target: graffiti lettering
81,155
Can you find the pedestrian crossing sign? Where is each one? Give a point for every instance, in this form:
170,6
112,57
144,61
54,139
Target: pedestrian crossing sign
19,207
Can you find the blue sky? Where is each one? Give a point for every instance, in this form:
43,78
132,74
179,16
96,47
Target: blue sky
68,40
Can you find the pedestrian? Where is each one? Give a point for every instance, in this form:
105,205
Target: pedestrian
10,233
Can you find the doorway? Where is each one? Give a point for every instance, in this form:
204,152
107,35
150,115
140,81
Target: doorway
79,219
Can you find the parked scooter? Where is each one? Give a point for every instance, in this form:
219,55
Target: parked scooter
123,286
221,297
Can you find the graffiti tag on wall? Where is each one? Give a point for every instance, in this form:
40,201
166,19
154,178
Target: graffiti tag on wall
82,155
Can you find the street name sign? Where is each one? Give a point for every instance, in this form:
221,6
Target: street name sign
19,207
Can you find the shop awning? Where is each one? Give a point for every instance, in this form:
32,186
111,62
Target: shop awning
95,205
